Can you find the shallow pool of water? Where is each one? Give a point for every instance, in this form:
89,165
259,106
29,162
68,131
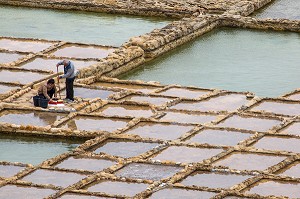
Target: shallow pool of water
80,196
219,137
229,102
126,110
57,178
36,118
232,59
292,170
187,118
33,150
8,171
74,26
287,9
278,144
181,193
159,131
278,108
134,87
6,58
20,76
249,123
214,180
186,154
50,64
293,129
83,52
85,164
118,188
125,149
24,45
249,161
266,188
147,171
13,191
6,88
92,93
94,124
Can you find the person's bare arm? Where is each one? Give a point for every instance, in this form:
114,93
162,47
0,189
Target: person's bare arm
45,93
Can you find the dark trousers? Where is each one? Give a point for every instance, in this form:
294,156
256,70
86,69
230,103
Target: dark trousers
70,88
50,93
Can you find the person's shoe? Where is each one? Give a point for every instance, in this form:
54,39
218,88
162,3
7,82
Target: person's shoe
68,100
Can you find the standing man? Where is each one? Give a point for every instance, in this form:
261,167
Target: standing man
69,74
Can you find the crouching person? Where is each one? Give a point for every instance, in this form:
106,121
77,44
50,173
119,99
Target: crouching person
48,90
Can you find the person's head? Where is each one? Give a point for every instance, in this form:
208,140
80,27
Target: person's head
66,62
50,83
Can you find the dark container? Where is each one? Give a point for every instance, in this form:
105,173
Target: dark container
43,103
36,100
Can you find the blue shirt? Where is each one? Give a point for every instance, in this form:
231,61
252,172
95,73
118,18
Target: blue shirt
69,70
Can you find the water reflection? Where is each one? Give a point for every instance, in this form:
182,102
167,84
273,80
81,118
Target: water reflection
33,150
37,118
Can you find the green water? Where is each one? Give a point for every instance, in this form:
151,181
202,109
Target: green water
33,150
266,63
285,9
74,26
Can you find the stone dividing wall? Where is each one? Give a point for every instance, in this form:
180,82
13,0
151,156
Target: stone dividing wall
263,24
124,56
164,8
176,33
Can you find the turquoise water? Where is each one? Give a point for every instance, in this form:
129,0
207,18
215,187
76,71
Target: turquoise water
266,63
33,150
286,9
74,26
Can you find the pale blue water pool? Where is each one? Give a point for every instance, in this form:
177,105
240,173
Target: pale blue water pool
74,26
263,62
33,150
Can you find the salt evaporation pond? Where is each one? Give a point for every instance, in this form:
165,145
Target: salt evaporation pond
285,9
263,62
74,26
33,150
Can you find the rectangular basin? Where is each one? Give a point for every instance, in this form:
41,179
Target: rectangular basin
83,52
24,45
159,131
50,64
147,171
122,110
250,123
6,58
85,123
129,189
21,77
125,149
220,103
249,161
186,154
33,150
219,137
